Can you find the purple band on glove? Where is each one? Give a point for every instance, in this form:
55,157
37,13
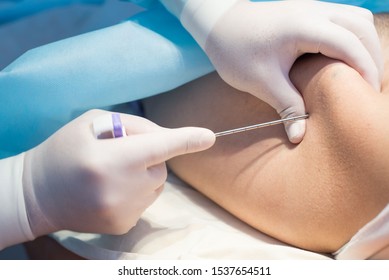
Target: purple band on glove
118,129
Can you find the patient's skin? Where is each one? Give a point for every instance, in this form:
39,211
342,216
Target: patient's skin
314,195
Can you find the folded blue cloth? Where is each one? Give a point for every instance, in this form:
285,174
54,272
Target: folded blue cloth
48,86
22,8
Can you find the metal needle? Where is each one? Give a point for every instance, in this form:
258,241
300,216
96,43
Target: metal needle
260,125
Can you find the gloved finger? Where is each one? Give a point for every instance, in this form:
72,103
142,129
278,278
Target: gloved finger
104,123
159,189
334,41
137,125
289,103
157,175
160,146
295,129
366,32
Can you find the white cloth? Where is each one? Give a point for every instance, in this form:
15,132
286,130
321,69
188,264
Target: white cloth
14,225
370,242
183,224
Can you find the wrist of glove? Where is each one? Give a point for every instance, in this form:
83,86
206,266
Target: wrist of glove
200,16
14,223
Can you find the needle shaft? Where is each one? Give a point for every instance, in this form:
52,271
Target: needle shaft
260,125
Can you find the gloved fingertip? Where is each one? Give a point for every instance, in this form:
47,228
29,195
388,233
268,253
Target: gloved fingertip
206,139
377,86
296,131
374,81
195,139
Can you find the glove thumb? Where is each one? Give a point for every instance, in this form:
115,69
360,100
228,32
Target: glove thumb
289,103
169,143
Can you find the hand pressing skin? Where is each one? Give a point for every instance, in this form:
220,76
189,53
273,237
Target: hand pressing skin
253,45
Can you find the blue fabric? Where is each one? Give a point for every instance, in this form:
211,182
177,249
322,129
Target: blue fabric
376,6
144,3
50,85
23,8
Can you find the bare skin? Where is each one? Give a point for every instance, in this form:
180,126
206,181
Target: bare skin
315,195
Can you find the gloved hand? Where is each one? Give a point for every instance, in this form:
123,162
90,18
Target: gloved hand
253,45
77,182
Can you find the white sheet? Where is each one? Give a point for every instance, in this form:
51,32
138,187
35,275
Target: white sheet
183,224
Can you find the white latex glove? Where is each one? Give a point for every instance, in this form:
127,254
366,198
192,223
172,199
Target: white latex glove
77,182
253,45
14,225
